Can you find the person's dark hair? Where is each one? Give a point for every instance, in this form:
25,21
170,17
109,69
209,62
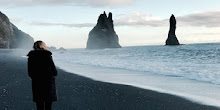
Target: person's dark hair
37,44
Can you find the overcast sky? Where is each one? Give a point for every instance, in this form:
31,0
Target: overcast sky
66,23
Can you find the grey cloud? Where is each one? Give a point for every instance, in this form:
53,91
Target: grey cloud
93,3
139,19
15,20
62,24
205,19
209,33
153,23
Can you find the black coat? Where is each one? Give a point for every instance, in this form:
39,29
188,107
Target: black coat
42,70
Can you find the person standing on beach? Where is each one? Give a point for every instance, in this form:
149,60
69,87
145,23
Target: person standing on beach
42,71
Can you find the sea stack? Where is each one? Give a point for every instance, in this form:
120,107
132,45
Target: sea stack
172,39
103,34
11,36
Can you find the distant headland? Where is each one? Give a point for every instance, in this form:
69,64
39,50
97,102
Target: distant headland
11,36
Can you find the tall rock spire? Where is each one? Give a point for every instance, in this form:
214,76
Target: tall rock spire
172,39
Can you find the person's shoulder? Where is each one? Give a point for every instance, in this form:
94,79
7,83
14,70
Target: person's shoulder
39,53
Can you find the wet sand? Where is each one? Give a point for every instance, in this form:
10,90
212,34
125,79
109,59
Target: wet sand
79,93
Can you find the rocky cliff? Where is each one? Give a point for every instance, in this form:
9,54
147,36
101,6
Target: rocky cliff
11,36
103,34
6,32
22,40
172,39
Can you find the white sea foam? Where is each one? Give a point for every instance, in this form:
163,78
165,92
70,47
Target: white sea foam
190,71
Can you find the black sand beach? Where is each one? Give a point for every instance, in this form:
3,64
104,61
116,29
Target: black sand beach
80,93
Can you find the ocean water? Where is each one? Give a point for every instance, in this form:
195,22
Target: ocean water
194,61
190,71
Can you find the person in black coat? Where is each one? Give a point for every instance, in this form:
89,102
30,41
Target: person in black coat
42,71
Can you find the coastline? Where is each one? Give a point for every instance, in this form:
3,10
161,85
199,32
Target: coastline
80,93
196,91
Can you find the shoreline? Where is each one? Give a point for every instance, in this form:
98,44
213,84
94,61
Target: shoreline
192,90
80,93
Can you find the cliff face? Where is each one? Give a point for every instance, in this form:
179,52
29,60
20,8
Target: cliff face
103,34
11,36
22,40
6,32
172,39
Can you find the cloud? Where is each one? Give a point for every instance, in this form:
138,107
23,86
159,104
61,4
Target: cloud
207,19
134,18
93,3
207,33
110,3
62,24
15,20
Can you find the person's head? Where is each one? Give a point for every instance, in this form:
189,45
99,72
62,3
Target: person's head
39,45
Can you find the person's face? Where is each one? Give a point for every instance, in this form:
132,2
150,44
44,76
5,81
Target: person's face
43,45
